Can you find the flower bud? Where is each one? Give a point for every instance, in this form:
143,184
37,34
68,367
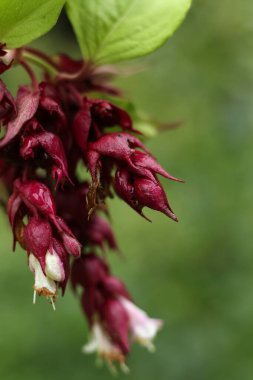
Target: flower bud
37,197
118,146
53,146
88,271
147,162
99,232
71,245
151,194
81,126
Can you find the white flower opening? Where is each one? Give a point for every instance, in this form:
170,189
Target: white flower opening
143,328
54,267
46,285
101,344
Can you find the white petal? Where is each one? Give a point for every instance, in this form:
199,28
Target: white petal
143,328
90,347
54,267
43,285
149,329
101,343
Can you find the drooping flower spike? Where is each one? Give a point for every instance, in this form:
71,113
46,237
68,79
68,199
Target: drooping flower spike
111,314
52,133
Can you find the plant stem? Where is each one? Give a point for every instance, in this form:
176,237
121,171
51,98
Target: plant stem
39,61
30,72
42,55
78,75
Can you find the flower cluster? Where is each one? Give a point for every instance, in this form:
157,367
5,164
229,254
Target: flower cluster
50,130
111,314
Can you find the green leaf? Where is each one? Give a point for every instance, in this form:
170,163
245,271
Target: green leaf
21,21
116,30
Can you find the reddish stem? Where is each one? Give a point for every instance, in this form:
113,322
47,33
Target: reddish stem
30,72
79,75
41,55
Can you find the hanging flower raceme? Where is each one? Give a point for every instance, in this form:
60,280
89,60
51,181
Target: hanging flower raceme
111,314
52,133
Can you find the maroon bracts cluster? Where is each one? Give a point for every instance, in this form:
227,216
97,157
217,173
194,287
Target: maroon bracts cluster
49,130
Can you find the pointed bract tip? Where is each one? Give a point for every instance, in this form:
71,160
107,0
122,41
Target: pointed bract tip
170,214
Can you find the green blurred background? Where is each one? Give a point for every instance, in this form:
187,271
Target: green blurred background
196,275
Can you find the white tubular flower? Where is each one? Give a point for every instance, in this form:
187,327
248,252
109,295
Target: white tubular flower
101,344
46,285
143,328
54,267
43,284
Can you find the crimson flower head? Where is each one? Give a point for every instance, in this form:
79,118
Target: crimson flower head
60,160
